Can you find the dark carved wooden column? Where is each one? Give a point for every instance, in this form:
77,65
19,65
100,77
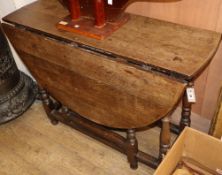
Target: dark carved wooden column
17,90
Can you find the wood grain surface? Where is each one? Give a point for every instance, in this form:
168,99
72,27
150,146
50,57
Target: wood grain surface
31,145
205,14
163,46
106,91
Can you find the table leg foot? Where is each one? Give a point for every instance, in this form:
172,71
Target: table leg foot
132,148
164,138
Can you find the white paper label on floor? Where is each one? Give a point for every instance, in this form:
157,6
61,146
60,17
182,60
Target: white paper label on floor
110,2
191,95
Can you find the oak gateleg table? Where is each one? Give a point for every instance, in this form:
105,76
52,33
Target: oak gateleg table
128,81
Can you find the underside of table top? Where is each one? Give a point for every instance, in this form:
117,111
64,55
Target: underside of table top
172,49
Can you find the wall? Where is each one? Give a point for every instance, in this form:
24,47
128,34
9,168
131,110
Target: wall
206,14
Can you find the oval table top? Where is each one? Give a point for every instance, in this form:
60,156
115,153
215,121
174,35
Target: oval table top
137,74
173,49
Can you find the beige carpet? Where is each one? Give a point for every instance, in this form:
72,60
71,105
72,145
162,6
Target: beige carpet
30,145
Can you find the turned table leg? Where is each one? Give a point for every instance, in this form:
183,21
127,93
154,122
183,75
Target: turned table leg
132,148
49,105
186,111
164,137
